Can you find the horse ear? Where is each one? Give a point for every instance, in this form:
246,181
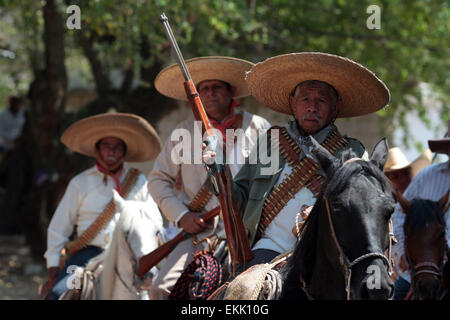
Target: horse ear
380,153
325,158
443,201
118,200
404,204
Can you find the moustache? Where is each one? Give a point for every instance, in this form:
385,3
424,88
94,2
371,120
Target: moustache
314,116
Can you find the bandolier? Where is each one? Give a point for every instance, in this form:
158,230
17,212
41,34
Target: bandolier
304,174
86,237
200,200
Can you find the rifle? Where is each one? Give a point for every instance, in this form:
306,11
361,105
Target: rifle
237,239
153,258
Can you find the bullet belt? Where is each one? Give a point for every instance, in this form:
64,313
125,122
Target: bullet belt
304,174
200,200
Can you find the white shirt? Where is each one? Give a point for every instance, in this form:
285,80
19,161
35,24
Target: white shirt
85,198
170,164
431,183
10,126
278,235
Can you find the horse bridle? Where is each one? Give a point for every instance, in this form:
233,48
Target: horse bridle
345,262
426,267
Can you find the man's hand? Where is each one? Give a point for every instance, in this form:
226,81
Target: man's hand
48,285
192,222
208,155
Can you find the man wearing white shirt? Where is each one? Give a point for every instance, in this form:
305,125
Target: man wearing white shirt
432,183
219,81
111,139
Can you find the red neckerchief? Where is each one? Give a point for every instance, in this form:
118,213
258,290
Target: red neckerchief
222,127
115,175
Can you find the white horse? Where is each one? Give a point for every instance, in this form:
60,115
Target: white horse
112,274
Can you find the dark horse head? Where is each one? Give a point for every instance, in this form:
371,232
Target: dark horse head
341,252
425,245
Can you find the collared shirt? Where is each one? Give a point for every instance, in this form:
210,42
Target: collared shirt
10,126
278,235
172,163
85,199
431,183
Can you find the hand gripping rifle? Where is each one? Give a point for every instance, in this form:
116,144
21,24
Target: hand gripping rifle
237,239
151,259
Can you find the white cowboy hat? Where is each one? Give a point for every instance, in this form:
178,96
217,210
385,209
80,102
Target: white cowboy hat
272,81
397,160
170,81
141,139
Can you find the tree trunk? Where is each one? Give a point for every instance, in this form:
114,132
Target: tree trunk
33,183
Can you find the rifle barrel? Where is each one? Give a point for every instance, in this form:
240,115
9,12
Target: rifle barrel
165,21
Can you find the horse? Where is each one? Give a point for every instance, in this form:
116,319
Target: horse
426,248
112,274
340,254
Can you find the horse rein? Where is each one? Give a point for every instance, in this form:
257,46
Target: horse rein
345,262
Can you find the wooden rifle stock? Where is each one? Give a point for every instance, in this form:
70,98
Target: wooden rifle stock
153,258
237,238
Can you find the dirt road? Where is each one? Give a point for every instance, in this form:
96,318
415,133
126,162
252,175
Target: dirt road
20,277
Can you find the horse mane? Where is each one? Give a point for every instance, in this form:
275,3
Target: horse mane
301,264
419,214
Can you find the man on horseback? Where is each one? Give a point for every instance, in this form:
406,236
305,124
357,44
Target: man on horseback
178,182
400,171
86,210
432,183
315,88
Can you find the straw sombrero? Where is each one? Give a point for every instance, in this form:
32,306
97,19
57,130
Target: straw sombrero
169,81
272,81
143,143
440,145
397,160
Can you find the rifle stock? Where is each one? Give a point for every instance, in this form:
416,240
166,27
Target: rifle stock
151,259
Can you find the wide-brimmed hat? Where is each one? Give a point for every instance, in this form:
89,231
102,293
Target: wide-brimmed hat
272,81
141,139
440,145
397,160
421,162
170,81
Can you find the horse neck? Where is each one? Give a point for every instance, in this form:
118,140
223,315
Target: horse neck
327,279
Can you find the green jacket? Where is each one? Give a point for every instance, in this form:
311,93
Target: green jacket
251,188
